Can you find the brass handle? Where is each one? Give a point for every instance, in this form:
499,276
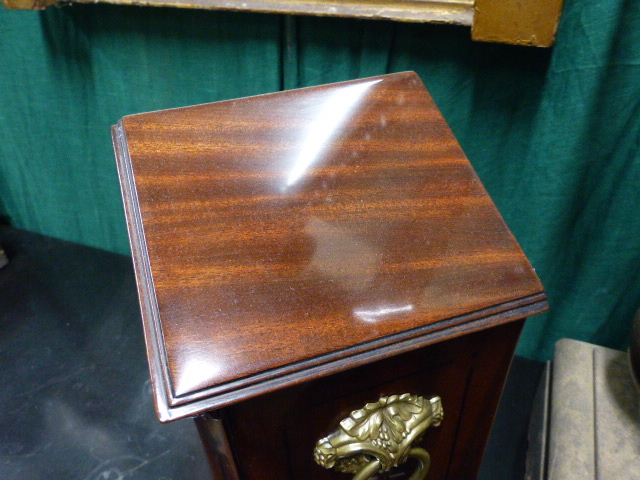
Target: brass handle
380,436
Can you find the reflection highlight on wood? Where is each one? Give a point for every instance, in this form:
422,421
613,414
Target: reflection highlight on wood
288,236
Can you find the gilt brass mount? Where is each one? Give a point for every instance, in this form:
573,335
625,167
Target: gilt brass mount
380,436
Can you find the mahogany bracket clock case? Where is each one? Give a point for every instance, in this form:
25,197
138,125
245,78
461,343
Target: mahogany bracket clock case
325,284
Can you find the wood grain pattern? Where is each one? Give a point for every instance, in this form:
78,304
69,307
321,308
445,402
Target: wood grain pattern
286,236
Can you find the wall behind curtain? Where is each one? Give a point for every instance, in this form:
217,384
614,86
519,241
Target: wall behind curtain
553,134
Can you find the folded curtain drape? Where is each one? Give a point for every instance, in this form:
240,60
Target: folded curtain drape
553,133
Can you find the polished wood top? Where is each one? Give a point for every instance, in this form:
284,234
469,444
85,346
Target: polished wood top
286,236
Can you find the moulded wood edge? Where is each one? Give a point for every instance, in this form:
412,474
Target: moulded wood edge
156,353
437,333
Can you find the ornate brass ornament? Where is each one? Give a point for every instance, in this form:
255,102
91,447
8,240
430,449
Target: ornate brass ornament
379,437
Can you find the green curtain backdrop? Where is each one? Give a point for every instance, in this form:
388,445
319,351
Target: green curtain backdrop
553,133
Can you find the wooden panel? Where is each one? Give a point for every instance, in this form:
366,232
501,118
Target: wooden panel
491,364
519,22
274,436
292,235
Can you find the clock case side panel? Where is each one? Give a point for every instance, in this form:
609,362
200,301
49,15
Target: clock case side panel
273,436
